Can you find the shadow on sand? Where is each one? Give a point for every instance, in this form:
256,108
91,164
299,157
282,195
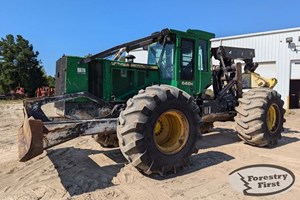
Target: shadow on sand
197,162
218,137
80,174
288,130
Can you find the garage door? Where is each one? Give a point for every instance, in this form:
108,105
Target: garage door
295,84
295,69
267,69
295,93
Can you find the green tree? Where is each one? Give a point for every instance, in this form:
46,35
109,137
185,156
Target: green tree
51,81
19,65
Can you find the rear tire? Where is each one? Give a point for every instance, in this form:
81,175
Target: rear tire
158,129
109,140
260,117
207,127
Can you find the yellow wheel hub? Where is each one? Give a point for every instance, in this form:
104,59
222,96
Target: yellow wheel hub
272,118
171,132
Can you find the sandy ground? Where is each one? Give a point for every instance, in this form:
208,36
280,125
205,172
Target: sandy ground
81,169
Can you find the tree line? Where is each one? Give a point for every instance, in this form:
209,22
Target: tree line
20,66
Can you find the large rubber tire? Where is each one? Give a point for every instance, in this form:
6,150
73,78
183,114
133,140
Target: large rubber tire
138,129
207,127
260,117
109,140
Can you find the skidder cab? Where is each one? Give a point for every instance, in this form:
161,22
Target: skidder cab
155,110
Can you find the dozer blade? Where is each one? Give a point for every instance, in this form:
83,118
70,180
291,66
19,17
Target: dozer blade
30,137
38,132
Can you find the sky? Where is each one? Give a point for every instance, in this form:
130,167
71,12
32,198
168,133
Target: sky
82,27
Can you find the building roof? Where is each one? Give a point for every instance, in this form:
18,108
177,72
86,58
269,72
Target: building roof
257,34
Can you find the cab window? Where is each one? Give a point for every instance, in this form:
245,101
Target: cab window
187,59
166,65
202,56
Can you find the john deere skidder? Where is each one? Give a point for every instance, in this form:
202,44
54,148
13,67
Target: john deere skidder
155,111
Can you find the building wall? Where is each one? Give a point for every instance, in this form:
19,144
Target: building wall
141,56
272,52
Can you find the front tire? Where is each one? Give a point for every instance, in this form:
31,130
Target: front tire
158,129
260,117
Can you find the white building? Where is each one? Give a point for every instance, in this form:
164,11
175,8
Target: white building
278,55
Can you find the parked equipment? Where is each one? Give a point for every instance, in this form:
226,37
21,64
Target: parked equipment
155,111
17,93
44,91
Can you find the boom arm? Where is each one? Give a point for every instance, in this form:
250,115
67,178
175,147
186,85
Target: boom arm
130,45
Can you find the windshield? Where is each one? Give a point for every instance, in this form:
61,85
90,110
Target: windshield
166,63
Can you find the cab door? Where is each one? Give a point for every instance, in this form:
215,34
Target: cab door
203,75
187,65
